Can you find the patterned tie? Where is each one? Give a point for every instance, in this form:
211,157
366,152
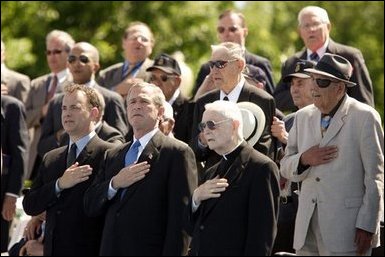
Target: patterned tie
71,157
226,98
314,57
130,158
52,89
325,121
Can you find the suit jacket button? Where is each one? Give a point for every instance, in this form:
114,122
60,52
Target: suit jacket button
202,227
317,179
117,214
58,212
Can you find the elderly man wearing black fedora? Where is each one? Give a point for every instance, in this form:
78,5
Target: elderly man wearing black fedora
234,211
166,74
335,148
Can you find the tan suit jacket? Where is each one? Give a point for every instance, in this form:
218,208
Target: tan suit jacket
348,191
18,84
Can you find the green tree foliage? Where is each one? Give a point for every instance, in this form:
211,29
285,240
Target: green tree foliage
189,27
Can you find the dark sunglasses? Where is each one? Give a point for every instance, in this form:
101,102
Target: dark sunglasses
323,83
233,29
162,77
82,58
220,64
54,51
211,125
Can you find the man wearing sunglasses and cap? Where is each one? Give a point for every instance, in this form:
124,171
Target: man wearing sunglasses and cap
335,148
166,74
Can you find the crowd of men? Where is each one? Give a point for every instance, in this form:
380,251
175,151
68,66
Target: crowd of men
123,163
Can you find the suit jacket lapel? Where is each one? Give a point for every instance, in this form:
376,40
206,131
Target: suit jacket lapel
336,123
150,154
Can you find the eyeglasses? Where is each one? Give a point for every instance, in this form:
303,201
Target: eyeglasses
309,26
324,83
53,51
220,64
212,125
232,29
82,58
141,38
162,77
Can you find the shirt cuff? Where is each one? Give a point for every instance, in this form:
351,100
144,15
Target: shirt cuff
111,191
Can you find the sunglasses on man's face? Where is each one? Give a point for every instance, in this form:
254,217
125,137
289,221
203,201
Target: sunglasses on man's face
324,83
53,51
162,77
82,58
211,125
220,64
232,29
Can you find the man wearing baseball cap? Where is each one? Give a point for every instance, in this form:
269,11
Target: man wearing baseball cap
165,73
335,148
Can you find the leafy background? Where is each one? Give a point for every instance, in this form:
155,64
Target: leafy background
189,27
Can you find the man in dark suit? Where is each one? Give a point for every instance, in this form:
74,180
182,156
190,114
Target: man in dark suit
14,146
166,74
137,42
144,185
232,28
13,83
234,212
314,28
83,62
64,176
43,88
227,65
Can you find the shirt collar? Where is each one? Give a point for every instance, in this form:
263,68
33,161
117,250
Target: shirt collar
234,94
82,142
174,97
320,51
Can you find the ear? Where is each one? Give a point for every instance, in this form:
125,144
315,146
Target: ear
95,114
236,124
96,67
160,112
246,30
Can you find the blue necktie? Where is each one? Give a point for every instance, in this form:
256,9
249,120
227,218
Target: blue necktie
325,121
130,158
314,57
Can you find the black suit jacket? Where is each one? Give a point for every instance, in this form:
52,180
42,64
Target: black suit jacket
68,230
251,59
114,115
148,219
363,91
14,146
249,93
183,112
243,220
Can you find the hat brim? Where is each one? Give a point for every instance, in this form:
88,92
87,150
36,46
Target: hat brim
289,77
347,82
165,69
252,132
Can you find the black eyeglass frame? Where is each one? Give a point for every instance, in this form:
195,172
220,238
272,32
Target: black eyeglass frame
82,58
210,124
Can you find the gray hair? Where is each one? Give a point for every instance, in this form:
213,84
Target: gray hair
315,10
229,110
157,95
63,37
233,50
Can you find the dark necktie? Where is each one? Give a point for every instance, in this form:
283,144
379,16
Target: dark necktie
52,89
71,157
131,156
325,121
314,57
226,98
222,168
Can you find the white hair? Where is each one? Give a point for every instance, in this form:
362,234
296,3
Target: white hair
63,37
316,11
233,50
229,110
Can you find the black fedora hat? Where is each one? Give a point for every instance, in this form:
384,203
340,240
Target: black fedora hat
166,63
334,66
299,70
